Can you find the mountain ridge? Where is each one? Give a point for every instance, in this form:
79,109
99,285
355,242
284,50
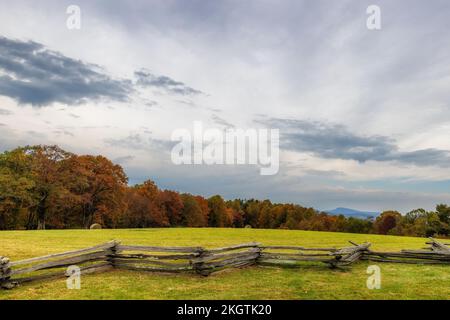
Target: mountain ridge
353,213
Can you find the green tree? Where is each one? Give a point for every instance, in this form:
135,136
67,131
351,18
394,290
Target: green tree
217,212
192,215
46,171
443,212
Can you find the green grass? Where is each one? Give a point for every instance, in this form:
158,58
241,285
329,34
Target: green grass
312,281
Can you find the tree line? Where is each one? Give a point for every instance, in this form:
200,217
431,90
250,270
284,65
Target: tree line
45,187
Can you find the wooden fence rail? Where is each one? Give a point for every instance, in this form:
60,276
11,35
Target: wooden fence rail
437,253
51,266
203,261
5,273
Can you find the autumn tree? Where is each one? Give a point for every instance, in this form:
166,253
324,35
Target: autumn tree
16,189
293,217
235,209
47,187
144,206
46,172
265,217
172,204
387,221
251,209
279,214
203,204
101,188
192,215
217,212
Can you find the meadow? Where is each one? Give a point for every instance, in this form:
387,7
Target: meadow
311,281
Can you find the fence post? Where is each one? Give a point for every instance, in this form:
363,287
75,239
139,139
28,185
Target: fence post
114,249
5,274
259,251
198,266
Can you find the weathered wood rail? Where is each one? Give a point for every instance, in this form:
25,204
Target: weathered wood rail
184,259
92,259
437,253
288,256
203,261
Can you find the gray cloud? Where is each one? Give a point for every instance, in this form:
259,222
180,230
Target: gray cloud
140,142
148,79
32,74
334,141
73,115
63,132
123,160
36,134
133,141
4,112
151,104
221,121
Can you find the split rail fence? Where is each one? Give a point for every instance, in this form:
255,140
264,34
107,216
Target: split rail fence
203,261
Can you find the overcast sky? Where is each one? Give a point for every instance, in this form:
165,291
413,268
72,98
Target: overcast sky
364,115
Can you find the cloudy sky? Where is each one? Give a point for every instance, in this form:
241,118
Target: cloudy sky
364,115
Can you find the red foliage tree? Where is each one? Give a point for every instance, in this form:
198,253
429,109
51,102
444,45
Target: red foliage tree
173,206
387,221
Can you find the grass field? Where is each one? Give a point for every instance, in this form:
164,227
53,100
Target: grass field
313,281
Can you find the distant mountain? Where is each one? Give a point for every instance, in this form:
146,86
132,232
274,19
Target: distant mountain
353,213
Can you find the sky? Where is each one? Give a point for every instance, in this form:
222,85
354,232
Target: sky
363,114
